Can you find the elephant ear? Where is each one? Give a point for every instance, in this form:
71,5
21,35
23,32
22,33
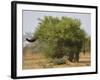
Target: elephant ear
31,40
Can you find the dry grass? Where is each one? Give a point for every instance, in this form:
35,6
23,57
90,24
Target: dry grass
37,60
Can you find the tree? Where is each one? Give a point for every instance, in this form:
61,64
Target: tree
87,44
60,36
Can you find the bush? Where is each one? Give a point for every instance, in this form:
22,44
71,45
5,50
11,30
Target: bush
59,61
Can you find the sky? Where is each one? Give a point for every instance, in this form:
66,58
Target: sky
31,19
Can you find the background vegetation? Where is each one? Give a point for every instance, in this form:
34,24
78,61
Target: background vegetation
60,40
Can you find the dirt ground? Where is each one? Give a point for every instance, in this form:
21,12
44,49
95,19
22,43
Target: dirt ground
36,60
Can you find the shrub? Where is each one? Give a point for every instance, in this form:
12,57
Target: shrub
59,61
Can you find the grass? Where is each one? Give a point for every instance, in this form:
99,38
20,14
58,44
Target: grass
37,60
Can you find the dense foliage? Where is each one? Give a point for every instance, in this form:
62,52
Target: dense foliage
59,36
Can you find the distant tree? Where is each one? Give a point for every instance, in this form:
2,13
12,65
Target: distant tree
60,36
88,44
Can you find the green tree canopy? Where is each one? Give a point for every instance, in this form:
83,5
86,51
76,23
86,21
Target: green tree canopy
59,35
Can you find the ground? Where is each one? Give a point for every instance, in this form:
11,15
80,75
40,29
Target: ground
37,60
